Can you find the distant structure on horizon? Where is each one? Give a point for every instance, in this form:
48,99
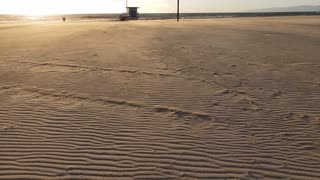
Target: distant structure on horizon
131,14
304,8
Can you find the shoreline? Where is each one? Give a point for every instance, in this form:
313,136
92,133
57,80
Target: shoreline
144,17
156,21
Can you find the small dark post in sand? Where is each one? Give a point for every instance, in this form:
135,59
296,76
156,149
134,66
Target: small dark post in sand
178,10
64,19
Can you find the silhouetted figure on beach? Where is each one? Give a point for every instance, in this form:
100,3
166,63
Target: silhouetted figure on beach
64,19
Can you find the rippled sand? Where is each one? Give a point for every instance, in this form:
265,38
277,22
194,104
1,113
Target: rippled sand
234,98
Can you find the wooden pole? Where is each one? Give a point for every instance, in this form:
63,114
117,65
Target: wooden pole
178,11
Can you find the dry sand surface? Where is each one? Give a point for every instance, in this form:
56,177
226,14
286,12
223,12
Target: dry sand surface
200,99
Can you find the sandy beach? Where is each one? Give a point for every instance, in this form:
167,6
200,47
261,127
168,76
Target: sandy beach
229,98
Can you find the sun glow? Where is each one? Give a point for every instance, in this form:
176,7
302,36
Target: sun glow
46,7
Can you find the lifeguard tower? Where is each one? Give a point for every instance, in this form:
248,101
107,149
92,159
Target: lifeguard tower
131,14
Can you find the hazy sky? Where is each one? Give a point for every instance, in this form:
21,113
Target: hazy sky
117,6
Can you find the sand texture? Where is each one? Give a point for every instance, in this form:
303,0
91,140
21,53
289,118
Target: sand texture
234,98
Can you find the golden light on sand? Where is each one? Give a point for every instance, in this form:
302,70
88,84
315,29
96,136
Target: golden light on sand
220,98
47,7
35,16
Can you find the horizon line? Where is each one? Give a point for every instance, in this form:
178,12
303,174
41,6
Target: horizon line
230,12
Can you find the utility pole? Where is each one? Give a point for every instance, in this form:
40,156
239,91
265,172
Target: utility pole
127,7
178,10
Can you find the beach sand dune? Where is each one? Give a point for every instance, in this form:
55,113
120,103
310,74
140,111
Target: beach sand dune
235,98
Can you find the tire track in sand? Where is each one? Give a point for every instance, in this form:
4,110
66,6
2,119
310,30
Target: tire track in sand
35,92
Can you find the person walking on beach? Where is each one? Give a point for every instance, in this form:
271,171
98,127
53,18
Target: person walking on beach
64,19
